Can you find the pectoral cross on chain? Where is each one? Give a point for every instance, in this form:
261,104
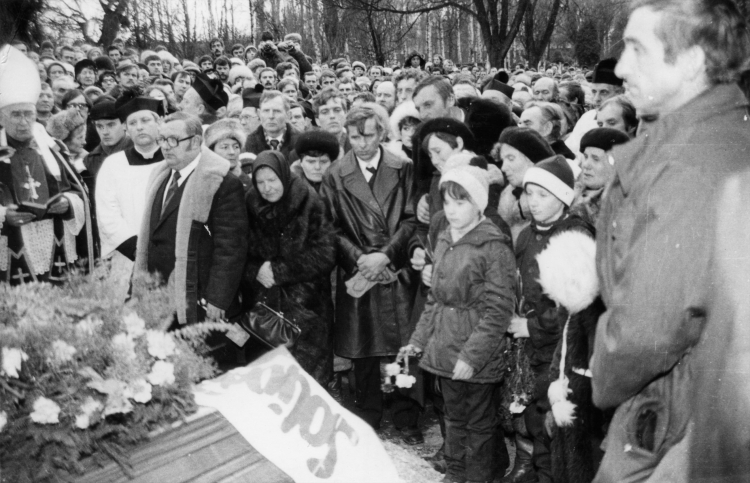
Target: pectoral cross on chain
31,184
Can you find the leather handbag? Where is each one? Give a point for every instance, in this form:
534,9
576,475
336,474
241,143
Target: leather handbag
270,326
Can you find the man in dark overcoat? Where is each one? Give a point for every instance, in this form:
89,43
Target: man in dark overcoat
369,195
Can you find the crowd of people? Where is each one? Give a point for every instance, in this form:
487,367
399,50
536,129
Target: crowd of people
538,239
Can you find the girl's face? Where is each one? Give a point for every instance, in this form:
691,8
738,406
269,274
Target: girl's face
228,149
544,206
461,214
515,164
440,151
406,133
269,185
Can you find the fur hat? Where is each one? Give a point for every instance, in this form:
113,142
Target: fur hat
62,124
555,175
224,129
84,64
474,180
19,78
357,63
604,138
317,141
239,71
103,109
487,120
104,63
188,66
604,73
402,111
528,142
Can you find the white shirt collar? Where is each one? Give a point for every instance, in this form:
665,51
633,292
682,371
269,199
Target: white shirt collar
146,154
187,170
373,163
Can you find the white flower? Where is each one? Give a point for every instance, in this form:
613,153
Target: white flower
392,369
12,359
89,325
403,380
88,408
46,411
62,352
123,343
162,373
140,391
3,420
160,344
117,403
134,325
516,407
83,421
108,386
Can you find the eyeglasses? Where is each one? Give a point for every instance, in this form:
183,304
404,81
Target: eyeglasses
79,106
172,142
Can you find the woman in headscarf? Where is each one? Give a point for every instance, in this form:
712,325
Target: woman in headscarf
290,257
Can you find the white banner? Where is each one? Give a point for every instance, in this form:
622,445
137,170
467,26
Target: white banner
291,420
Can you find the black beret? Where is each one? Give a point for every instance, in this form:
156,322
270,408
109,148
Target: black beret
487,119
450,126
104,110
496,85
317,140
251,96
211,91
604,73
131,101
84,64
603,138
528,142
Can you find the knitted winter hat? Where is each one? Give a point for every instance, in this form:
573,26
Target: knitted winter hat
603,138
224,129
474,180
317,141
357,63
62,124
555,175
527,141
487,120
458,160
188,66
604,73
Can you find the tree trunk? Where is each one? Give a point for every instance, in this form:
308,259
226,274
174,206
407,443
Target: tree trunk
115,16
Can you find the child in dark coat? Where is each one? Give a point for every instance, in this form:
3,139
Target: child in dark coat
460,332
549,187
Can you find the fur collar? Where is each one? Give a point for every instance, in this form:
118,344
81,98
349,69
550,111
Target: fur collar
195,205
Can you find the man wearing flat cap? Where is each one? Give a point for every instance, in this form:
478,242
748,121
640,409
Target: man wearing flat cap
206,99
121,182
42,207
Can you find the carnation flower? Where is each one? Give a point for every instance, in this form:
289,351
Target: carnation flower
123,343
160,344
12,359
134,325
89,325
404,380
83,421
3,420
516,407
392,369
62,352
139,391
46,411
162,373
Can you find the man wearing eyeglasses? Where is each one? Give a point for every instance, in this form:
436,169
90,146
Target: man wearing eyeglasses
195,231
121,183
41,203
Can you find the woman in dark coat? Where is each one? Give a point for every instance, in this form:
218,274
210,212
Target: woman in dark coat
291,253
